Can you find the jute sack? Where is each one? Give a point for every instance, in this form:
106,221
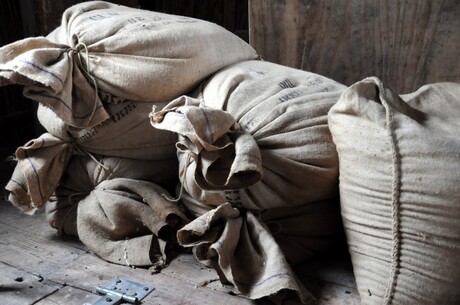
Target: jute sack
400,190
126,134
255,136
130,53
118,209
84,173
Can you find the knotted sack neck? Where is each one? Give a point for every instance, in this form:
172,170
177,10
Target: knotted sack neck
84,65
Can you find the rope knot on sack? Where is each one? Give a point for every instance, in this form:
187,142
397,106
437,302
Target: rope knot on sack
84,64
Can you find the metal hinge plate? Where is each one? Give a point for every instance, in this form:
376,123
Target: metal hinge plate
120,291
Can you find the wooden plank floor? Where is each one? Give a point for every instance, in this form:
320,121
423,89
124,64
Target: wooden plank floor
39,267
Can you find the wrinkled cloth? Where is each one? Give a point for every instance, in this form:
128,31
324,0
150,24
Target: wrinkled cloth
228,157
40,165
42,161
242,251
118,209
96,77
127,221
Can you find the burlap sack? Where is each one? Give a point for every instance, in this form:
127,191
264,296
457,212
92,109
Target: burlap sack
400,190
257,133
42,161
126,52
117,209
256,137
126,134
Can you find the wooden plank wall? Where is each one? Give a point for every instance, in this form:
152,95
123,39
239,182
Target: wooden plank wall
405,43
48,13
230,14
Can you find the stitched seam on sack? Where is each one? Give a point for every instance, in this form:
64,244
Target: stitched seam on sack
396,194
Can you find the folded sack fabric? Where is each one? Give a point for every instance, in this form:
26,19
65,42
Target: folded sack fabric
41,163
400,190
254,142
117,209
243,252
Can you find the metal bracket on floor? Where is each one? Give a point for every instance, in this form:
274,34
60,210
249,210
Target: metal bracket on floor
120,291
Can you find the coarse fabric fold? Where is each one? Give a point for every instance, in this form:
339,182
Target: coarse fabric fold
118,209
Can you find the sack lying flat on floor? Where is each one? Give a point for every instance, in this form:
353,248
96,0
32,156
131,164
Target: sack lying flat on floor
256,137
117,209
400,190
130,53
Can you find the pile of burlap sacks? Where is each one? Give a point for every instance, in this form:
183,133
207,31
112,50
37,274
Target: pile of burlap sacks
165,132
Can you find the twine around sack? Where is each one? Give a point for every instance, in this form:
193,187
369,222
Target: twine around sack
86,70
399,178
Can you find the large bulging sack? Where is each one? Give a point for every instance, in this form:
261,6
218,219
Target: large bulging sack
126,52
256,135
258,167
399,160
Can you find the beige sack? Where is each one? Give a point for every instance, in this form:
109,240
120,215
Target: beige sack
130,53
127,134
257,135
84,173
117,209
400,190
41,163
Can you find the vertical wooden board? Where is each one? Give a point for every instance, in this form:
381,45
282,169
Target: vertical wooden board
230,14
405,43
22,288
